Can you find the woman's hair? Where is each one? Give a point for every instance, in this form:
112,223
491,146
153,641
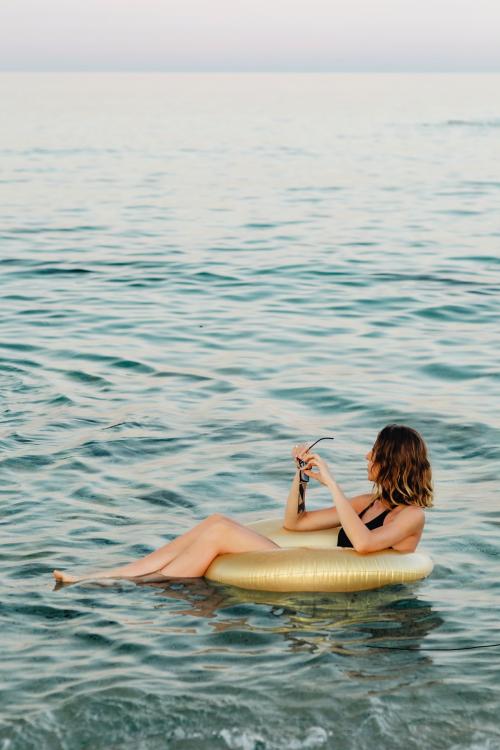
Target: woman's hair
403,470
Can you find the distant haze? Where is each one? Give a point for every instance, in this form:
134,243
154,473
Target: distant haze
250,35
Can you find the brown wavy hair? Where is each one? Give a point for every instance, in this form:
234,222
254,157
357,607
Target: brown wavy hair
403,470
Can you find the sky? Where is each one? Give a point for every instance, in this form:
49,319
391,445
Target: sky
250,35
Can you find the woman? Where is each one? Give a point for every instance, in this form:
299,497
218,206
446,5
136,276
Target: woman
392,515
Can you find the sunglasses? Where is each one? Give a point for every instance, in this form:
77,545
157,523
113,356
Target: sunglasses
303,477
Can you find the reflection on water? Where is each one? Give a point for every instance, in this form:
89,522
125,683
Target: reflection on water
342,623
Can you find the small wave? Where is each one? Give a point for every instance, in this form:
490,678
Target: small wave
451,373
86,377
130,364
39,151
46,612
273,224
32,462
20,346
453,313
482,183
60,400
55,270
54,230
458,123
458,212
167,499
315,188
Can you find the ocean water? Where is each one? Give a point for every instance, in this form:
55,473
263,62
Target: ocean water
196,272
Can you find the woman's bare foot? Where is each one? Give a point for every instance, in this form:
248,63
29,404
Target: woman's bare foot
59,575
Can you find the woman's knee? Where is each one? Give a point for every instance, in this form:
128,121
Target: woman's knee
218,518
218,529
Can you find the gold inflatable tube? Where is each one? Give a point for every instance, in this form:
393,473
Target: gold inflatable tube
311,561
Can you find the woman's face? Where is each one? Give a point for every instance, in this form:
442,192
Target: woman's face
371,468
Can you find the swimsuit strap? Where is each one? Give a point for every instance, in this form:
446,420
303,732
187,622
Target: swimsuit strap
367,508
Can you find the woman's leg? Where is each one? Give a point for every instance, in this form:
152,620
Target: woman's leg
152,562
223,536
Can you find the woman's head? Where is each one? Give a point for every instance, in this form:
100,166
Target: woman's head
399,467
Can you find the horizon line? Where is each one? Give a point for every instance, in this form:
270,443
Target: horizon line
252,71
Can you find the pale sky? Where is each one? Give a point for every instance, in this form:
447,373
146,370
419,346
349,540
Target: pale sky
250,35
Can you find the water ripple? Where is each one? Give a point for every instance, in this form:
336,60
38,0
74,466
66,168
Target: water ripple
179,313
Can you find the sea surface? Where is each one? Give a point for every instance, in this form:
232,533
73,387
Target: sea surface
197,272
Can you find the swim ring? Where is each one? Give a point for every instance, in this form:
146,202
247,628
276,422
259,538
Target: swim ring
310,561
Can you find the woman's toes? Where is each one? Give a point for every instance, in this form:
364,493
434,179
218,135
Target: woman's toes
64,577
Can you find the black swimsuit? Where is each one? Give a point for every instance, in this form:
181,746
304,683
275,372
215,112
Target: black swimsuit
344,541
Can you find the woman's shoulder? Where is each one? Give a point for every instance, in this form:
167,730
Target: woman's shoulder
413,513
361,502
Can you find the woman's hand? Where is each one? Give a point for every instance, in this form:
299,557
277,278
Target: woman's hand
299,451
322,474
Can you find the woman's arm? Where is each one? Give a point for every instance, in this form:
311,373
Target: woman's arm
407,522
314,520
292,504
